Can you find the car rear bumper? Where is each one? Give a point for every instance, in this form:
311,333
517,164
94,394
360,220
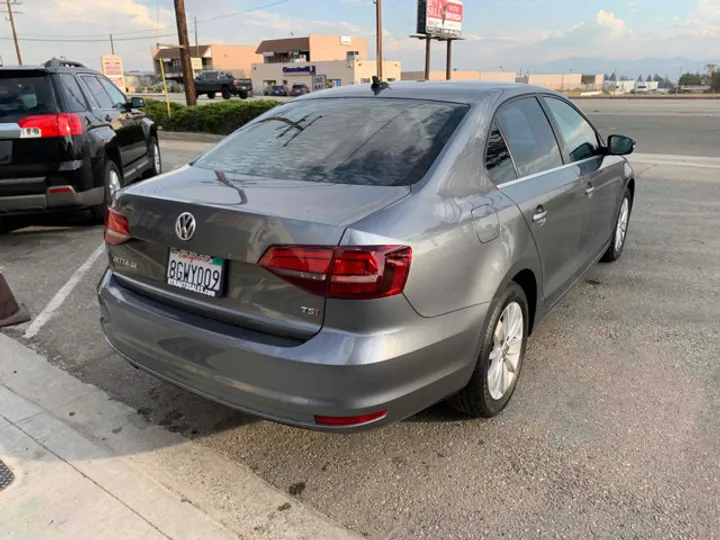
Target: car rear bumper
54,198
334,373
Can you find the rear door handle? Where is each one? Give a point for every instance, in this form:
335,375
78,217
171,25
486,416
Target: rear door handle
540,216
590,189
108,118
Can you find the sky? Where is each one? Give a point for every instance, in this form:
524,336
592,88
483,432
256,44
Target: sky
500,34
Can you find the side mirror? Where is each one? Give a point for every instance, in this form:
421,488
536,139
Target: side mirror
137,102
619,145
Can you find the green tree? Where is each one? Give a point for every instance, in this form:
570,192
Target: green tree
715,82
640,78
649,78
612,77
691,79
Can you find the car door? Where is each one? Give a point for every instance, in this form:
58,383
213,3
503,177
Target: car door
108,114
132,119
548,192
600,174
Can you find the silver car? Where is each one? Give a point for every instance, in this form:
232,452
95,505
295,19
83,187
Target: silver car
355,255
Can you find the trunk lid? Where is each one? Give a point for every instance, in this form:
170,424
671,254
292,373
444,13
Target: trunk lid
25,93
237,218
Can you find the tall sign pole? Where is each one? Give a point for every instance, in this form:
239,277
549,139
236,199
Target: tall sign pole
379,32
185,60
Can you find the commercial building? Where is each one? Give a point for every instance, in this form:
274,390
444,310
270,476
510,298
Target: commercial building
564,82
317,61
237,59
497,76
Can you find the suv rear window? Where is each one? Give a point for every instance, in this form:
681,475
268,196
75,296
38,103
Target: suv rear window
383,142
23,95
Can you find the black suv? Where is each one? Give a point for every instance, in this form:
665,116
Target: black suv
69,139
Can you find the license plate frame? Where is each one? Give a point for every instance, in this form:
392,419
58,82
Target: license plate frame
207,262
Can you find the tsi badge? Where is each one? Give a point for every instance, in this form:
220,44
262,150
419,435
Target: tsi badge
313,312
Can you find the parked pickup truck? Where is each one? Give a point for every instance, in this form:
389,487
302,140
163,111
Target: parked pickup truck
211,83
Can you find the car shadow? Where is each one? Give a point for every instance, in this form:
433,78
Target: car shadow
34,224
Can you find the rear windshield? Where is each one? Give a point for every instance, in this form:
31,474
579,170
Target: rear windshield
23,95
361,141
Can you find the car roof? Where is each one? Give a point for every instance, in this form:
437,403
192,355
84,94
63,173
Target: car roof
455,91
52,69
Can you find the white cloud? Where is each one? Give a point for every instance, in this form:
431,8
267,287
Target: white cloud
611,22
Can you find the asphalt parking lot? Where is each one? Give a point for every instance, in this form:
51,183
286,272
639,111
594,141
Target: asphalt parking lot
614,429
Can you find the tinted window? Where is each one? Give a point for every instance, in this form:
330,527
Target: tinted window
73,94
22,95
386,142
529,136
497,158
580,137
100,96
118,98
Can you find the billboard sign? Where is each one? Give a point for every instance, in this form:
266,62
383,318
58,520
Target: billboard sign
440,17
112,68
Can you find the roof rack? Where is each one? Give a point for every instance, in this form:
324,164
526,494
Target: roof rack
57,62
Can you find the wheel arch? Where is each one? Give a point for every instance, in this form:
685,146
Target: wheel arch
528,276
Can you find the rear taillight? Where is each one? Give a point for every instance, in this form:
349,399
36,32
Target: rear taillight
344,272
50,125
117,228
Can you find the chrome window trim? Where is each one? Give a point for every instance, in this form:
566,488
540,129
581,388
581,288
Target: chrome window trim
541,173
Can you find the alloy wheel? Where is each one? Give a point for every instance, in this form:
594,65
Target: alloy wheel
506,351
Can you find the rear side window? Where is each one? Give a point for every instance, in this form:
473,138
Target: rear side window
383,142
579,136
73,93
23,95
98,92
529,136
497,158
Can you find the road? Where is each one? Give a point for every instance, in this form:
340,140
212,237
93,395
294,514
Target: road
614,429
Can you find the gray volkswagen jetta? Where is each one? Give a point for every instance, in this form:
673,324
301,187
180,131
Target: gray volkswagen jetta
351,257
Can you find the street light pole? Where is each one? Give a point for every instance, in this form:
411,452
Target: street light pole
185,61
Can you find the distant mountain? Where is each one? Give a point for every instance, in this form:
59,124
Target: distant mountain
671,67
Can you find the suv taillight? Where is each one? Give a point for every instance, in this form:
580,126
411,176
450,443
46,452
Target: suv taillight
348,273
117,228
50,125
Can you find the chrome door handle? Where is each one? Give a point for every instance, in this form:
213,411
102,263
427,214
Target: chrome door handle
589,190
540,216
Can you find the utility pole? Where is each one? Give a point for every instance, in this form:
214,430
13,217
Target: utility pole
11,18
379,31
112,46
188,78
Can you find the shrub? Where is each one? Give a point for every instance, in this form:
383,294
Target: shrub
220,118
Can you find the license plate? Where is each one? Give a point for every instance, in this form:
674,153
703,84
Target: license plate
201,274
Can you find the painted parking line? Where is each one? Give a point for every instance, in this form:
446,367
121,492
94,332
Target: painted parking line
57,300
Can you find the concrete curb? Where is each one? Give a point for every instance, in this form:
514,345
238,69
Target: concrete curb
223,490
190,137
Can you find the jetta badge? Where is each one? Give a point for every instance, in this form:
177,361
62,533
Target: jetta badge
185,226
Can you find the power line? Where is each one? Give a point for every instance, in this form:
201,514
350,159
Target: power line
11,18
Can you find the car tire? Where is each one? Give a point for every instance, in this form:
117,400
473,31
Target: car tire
155,158
226,93
622,222
113,181
211,95
4,226
501,357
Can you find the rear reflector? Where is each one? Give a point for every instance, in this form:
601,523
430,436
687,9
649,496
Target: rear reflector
117,228
60,189
50,125
350,420
348,273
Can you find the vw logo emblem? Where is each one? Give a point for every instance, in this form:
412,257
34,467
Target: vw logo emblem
185,226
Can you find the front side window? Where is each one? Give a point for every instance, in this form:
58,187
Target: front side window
357,141
118,98
529,137
497,158
579,136
98,93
